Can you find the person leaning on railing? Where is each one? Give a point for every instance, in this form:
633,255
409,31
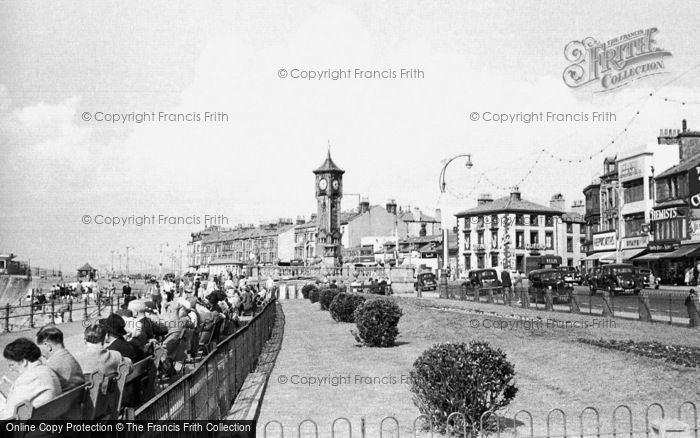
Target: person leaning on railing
36,383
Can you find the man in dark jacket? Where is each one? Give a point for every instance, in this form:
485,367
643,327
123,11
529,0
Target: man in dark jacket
506,283
114,326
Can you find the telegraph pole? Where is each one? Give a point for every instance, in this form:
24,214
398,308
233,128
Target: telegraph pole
127,261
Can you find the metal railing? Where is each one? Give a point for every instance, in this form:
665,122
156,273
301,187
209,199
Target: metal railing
208,392
54,311
660,307
556,424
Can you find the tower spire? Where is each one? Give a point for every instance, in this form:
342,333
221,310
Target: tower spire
329,148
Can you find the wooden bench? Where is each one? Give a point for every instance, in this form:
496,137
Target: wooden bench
140,383
105,394
97,399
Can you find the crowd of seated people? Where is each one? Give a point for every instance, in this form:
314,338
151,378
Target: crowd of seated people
182,321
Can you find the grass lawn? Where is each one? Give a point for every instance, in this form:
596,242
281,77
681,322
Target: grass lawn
553,369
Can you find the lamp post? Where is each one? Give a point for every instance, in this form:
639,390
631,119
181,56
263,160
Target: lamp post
443,221
160,264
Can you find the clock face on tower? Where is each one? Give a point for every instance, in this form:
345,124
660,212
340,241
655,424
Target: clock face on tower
335,184
322,184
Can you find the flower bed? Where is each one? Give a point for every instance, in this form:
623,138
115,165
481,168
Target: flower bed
677,354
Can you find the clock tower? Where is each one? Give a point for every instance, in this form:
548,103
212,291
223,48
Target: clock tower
329,192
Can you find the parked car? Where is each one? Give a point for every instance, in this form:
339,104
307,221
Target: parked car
618,278
483,278
549,279
644,275
592,279
571,275
425,281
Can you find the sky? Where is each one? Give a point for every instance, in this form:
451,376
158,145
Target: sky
60,60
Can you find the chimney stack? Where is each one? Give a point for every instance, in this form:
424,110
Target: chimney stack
515,194
300,220
578,207
364,205
484,198
557,202
391,206
438,215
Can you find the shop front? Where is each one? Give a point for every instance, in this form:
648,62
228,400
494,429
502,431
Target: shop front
669,228
604,248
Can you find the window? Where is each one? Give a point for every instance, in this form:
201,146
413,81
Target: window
519,240
634,191
519,219
569,244
549,240
480,261
480,238
480,222
467,262
633,226
467,241
520,263
569,262
533,220
672,185
467,223
582,229
569,227
494,221
494,260
548,221
534,237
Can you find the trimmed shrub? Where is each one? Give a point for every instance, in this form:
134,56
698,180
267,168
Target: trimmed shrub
306,290
343,306
377,323
314,295
469,379
326,297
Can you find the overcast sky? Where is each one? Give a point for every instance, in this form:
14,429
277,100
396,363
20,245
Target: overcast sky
59,60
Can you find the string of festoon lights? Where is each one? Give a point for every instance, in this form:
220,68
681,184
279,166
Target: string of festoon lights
615,140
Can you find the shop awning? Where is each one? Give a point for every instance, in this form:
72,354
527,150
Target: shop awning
599,255
652,256
629,254
684,251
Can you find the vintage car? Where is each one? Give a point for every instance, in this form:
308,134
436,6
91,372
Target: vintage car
425,281
618,278
644,275
541,280
571,275
483,278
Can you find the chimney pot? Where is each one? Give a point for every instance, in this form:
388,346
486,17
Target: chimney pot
684,124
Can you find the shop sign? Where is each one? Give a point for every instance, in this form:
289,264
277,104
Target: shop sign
694,186
604,241
535,247
666,213
635,242
655,247
631,169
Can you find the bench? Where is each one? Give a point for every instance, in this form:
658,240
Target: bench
94,400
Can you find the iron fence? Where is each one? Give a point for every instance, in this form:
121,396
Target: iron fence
208,392
663,307
556,424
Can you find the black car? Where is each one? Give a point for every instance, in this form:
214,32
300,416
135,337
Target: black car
571,275
483,278
644,275
618,278
425,281
549,279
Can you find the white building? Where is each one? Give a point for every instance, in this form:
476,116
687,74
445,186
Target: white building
513,233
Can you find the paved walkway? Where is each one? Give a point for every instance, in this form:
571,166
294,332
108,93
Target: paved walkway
322,374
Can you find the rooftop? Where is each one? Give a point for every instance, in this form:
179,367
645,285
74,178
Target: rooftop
508,204
329,166
680,168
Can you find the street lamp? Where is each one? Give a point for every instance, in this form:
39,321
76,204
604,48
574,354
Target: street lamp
443,217
160,265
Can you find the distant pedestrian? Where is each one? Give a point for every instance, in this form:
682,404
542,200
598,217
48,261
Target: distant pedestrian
506,282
